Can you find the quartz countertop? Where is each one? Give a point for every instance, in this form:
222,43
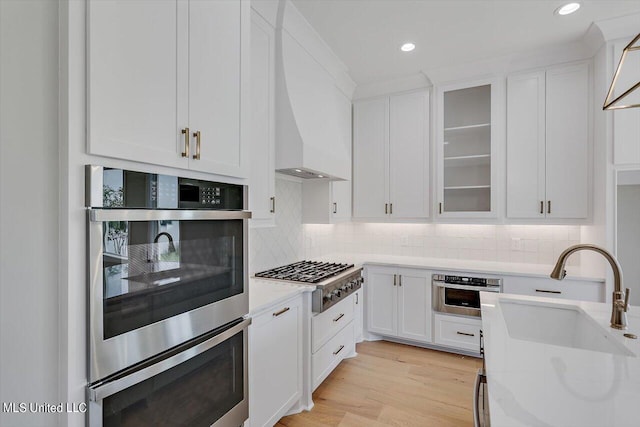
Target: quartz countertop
466,266
538,384
264,294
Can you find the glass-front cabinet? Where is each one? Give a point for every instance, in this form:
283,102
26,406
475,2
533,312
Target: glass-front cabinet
466,151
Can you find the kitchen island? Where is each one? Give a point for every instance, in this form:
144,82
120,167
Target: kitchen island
559,363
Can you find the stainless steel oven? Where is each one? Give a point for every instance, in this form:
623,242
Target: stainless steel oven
460,295
200,383
167,263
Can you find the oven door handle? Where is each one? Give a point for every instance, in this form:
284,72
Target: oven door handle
467,288
103,215
101,390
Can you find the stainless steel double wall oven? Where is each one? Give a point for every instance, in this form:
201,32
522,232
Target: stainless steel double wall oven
167,300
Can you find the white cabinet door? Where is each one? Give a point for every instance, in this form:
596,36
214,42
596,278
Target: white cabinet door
214,85
567,146
409,155
341,205
358,316
414,304
381,285
526,145
137,80
370,158
275,355
262,126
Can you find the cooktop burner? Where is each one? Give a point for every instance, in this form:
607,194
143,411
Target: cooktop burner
305,271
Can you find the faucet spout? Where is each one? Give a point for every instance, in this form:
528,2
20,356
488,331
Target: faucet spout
620,297
172,247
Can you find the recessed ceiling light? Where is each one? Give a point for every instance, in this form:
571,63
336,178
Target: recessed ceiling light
407,47
320,176
567,8
298,170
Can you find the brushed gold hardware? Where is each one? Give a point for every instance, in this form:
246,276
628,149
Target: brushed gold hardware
465,334
338,350
185,132
339,317
440,207
278,313
541,206
544,291
335,207
197,136
631,336
390,208
273,204
385,208
548,206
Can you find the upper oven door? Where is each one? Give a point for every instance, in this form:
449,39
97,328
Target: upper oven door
159,278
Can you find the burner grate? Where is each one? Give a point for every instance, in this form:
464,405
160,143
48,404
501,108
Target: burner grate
305,271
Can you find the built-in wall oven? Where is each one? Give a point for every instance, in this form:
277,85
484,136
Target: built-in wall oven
460,295
167,265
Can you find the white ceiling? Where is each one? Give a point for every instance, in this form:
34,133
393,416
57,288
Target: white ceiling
366,34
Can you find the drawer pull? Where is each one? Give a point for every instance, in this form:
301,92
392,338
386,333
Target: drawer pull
338,350
466,334
544,291
339,317
278,313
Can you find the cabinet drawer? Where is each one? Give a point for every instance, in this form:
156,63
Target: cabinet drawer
458,332
331,354
565,289
326,324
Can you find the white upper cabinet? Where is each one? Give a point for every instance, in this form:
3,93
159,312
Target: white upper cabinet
548,143
391,157
165,85
262,201
467,117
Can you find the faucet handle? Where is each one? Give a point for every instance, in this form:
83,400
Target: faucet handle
626,299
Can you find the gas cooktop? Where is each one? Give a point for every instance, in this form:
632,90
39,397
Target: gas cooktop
305,271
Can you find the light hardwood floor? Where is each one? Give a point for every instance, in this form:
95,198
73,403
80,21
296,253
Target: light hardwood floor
391,384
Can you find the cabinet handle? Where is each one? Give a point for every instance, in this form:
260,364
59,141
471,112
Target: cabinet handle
273,204
278,313
440,207
335,208
339,317
338,350
185,132
549,206
541,207
390,208
196,134
466,334
395,278
544,291
399,279
357,299
386,205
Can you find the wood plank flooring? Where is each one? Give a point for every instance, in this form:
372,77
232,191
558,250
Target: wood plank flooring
391,384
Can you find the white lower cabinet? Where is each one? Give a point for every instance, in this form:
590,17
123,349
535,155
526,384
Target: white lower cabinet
275,362
399,302
458,332
332,339
583,290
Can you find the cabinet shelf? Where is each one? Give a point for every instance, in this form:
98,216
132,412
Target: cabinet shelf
471,160
467,187
468,127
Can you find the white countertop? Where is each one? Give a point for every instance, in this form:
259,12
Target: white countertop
537,384
264,294
468,266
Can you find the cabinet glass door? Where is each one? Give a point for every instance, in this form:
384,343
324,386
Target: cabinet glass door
466,150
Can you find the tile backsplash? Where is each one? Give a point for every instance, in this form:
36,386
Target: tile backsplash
290,240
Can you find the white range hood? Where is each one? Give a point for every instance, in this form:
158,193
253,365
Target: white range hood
313,116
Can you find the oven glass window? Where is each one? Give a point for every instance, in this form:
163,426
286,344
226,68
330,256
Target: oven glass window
462,298
196,393
154,270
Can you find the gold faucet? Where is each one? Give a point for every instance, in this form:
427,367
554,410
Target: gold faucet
620,297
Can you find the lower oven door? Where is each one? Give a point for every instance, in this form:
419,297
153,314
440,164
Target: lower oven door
201,383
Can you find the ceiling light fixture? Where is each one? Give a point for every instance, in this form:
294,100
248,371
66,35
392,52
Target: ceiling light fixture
614,104
298,170
567,9
407,47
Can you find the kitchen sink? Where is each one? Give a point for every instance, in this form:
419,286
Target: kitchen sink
558,324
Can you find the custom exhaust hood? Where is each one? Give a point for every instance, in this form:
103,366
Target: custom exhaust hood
313,116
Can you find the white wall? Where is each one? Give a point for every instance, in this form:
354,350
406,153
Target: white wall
628,241
28,208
